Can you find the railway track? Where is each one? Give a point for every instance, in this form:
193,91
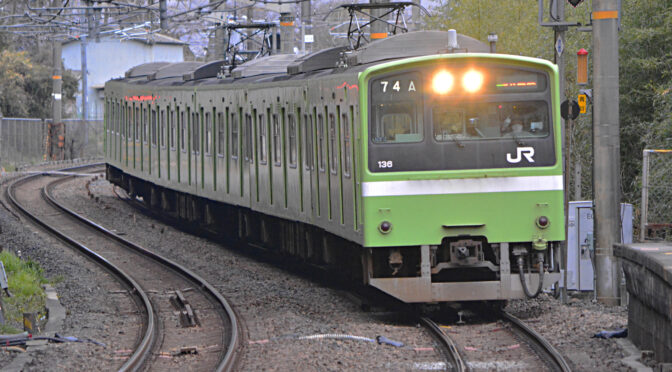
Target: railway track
181,313
508,344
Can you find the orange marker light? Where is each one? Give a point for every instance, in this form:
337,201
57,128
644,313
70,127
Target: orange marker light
443,82
472,81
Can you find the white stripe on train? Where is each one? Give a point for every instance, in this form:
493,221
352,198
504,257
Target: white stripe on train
462,186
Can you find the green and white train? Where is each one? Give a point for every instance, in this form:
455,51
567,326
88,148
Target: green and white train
432,173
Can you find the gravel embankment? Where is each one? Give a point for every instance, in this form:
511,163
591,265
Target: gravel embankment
277,306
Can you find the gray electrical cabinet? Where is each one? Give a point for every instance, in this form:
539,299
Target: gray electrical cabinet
580,242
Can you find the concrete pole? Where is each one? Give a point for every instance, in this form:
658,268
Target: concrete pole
415,15
307,27
287,26
378,28
163,16
57,84
606,148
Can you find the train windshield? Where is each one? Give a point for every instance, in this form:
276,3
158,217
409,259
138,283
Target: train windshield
460,117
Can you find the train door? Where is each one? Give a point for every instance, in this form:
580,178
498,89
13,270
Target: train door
334,164
322,184
249,175
195,153
309,192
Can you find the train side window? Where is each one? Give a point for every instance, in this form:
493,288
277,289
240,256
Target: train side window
277,146
333,151
119,121
153,128
183,131
234,136
308,137
263,140
129,116
208,134
320,142
145,125
162,129
249,139
195,132
173,131
221,133
292,140
137,124
345,125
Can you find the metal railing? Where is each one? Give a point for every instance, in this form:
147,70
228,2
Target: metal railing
656,213
24,140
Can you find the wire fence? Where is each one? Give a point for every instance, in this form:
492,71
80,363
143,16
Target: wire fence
656,214
25,140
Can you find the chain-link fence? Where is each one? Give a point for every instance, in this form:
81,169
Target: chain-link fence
24,140
656,208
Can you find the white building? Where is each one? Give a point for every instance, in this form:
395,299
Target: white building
110,57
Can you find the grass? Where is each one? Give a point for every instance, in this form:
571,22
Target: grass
25,279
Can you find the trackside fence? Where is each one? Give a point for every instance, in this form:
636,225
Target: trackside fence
656,209
24,140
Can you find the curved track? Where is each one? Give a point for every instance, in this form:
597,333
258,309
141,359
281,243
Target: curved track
153,281
545,355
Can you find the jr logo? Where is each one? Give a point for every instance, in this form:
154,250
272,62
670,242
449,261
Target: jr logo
527,152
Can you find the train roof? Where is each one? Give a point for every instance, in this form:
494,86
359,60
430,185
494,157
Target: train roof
291,66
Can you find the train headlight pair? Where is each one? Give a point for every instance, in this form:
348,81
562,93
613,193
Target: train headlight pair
443,81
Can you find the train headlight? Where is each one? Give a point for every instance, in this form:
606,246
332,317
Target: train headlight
385,227
443,82
472,81
543,222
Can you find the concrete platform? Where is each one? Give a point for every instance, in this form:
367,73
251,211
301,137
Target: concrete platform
648,273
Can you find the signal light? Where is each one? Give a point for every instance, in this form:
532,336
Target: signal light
442,82
543,222
472,81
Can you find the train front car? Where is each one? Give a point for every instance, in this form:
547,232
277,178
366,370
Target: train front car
462,186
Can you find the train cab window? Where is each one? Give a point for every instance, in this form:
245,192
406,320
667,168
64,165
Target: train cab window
234,136
183,131
396,122
173,131
320,142
292,140
162,129
345,125
208,134
195,132
333,150
221,133
153,128
277,145
308,136
263,140
490,120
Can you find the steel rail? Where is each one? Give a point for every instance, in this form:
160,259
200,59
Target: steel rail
143,351
227,362
453,354
550,352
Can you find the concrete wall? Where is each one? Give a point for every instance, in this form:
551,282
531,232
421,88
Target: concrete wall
648,273
110,58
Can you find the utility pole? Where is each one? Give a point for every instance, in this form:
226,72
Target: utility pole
307,27
378,28
606,148
55,149
287,26
163,17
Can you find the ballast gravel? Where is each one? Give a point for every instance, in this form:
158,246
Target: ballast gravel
279,308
